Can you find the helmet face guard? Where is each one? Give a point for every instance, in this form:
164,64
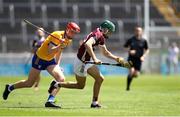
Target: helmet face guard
108,25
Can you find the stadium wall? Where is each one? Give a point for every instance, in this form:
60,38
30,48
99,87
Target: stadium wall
20,63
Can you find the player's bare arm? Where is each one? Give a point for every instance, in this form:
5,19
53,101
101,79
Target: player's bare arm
58,56
108,54
53,48
146,51
131,52
89,48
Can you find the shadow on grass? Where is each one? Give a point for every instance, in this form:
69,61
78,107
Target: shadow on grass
19,107
62,108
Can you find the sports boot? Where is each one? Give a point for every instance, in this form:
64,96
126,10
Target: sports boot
95,106
6,92
52,105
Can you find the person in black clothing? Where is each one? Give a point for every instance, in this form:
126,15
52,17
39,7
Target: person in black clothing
137,48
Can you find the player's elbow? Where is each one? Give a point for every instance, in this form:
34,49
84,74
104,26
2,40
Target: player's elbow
135,74
105,53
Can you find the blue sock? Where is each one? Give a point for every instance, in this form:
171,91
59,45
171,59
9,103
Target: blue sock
11,88
51,98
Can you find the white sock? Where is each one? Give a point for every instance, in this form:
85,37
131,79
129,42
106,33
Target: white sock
9,88
95,102
56,85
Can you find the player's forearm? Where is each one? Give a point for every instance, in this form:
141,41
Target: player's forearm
58,57
145,53
110,55
53,49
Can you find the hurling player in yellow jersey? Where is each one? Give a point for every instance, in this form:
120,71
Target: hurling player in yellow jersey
47,57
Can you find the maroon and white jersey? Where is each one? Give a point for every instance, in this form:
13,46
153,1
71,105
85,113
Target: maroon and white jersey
82,54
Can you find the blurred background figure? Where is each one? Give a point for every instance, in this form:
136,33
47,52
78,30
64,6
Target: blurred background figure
137,48
38,40
172,58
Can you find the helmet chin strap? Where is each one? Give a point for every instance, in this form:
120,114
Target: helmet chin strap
66,36
105,32
106,36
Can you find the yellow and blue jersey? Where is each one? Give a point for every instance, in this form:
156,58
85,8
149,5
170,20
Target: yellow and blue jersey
42,52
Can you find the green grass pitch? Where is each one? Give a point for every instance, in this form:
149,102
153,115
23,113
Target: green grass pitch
150,95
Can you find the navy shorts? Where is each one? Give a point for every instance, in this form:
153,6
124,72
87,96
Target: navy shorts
137,63
40,64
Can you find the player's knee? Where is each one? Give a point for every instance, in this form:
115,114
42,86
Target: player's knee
100,80
60,78
135,74
81,86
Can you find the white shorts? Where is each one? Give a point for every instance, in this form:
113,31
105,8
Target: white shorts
80,68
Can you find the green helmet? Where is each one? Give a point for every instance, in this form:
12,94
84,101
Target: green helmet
109,25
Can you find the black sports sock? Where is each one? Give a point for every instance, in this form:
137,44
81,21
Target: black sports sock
129,80
95,98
